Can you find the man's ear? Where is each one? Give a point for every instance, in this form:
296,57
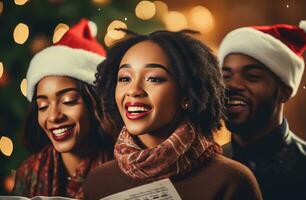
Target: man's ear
285,93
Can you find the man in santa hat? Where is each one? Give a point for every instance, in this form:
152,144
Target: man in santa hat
262,68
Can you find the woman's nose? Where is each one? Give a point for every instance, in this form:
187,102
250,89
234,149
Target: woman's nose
55,114
136,89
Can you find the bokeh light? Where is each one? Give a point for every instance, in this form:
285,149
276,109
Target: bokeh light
161,9
222,136
100,2
59,31
21,33
175,21
23,87
20,2
6,146
114,34
1,7
8,183
145,10
108,41
202,19
39,43
1,69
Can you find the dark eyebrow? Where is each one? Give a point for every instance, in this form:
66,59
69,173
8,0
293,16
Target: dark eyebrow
149,65
245,67
58,93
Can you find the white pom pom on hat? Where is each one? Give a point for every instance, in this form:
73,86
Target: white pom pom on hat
279,47
76,55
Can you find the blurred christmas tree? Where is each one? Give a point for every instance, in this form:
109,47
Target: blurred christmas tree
19,44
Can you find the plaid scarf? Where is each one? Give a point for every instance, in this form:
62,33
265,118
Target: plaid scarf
40,175
183,151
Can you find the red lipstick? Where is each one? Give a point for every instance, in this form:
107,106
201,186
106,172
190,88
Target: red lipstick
136,110
62,133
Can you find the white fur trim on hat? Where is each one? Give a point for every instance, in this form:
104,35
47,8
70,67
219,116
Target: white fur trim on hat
274,54
302,25
62,61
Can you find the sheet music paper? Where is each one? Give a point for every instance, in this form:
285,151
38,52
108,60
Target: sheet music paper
158,190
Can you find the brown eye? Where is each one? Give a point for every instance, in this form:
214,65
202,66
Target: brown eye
124,79
155,79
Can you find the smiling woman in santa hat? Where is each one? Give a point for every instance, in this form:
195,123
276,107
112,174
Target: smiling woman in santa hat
65,133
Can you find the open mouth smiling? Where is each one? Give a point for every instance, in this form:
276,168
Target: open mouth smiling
137,110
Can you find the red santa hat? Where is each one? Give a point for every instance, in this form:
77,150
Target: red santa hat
279,47
76,55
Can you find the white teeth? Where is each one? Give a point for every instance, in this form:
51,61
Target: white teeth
137,109
59,131
236,102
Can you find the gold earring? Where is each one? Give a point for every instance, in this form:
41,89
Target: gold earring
186,106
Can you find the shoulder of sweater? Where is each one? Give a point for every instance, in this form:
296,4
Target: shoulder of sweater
231,169
32,159
240,181
108,171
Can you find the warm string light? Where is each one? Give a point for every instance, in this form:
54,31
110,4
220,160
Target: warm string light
23,87
59,31
1,69
1,7
175,21
223,135
39,43
114,34
8,183
108,41
4,78
201,19
304,87
21,33
20,2
161,9
145,10
100,2
6,146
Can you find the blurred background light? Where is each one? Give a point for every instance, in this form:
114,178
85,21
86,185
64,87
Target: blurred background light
21,33
1,69
6,146
8,183
23,87
59,31
39,43
1,7
201,19
145,10
175,21
108,41
100,2
20,2
114,34
161,9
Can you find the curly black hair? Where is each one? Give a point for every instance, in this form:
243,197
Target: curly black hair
35,139
193,66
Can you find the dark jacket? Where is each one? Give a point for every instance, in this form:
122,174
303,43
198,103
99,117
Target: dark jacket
219,179
278,162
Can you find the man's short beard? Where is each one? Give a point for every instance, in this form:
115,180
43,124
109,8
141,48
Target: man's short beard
254,124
